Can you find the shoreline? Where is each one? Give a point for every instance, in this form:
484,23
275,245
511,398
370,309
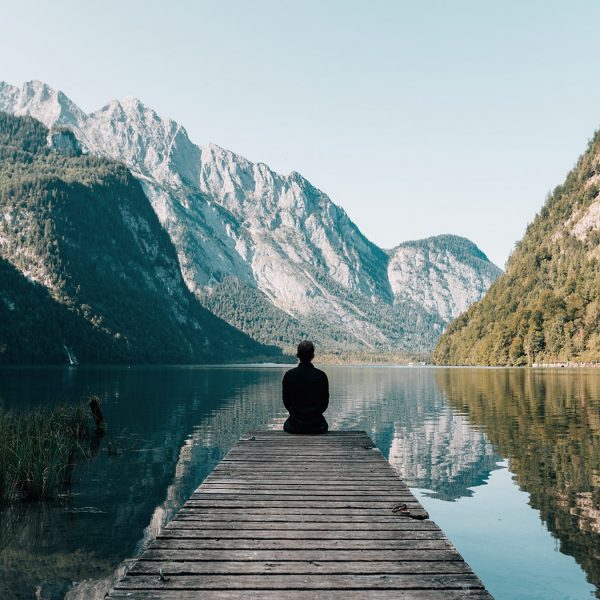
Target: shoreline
326,360
567,365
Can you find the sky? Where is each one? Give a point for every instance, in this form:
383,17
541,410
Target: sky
418,118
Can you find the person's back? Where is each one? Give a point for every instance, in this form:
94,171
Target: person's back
305,394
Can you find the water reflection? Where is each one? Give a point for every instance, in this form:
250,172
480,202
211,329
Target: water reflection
431,445
548,424
443,430
173,425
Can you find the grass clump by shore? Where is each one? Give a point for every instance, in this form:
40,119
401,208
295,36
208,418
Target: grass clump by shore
38,450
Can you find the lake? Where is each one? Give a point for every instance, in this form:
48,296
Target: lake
506,461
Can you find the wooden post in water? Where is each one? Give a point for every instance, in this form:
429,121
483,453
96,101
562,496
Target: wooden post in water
301,517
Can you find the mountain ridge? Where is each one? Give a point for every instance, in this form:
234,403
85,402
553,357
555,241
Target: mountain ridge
280,236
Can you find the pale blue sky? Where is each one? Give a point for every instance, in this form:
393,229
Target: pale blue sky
418,118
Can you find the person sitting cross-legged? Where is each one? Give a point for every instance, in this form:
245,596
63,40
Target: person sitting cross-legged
305,394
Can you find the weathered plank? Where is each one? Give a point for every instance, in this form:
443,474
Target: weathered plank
172,540
289,490
338,567
397,554
190,522
294,510
300,496
188,531
299,520
371,594
301,501
301,517
454,581
286,483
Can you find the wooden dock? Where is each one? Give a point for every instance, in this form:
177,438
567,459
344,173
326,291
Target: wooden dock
306,517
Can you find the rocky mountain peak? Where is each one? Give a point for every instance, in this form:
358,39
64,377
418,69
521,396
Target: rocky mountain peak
278,234
37,99
149,144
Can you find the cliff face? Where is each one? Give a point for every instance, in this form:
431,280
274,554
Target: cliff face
80,242
546,307
445,274
274,244
63,140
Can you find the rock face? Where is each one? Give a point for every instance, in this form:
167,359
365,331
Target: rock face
545,308
88,273
445,274
246,236
63,140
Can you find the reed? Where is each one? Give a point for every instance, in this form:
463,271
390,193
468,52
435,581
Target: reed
38,449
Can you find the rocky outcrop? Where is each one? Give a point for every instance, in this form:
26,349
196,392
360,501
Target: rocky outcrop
63,140
445,274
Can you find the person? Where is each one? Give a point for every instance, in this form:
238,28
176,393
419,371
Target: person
305,391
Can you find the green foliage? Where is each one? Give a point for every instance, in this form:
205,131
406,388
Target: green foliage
410,328
463,249
247,308
546,307
38,449
34,326
108,279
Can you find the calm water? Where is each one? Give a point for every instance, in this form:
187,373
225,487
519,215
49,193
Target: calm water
506,461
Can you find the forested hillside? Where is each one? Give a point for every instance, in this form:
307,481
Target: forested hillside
546,307
410,328
87,266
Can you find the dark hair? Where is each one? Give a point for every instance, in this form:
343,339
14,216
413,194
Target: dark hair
306,351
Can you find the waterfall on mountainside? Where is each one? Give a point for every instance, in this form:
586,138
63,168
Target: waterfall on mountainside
71,355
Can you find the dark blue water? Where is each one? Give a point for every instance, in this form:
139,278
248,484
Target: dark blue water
507,462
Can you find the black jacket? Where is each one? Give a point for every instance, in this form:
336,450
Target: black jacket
305,393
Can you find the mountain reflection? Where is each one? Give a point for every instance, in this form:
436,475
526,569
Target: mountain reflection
431,445
548,425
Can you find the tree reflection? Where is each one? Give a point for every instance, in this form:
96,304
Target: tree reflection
548,425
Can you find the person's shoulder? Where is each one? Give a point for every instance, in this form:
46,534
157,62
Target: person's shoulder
321,374
290,372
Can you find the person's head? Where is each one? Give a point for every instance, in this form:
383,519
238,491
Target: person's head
306,351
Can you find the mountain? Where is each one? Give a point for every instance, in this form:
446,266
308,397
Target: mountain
444,274
546,307
268,253
88,273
